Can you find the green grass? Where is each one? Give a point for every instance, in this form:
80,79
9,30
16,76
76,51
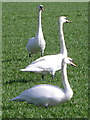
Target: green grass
19,22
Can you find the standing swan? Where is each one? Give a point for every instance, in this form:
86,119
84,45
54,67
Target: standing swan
50,63
37,43
49,95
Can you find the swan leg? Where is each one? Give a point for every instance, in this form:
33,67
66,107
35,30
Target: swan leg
29,55
46,105
52,76
42,77
42,54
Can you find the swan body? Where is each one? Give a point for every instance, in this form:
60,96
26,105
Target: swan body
47,64
48,95
37,43
50,63
42,95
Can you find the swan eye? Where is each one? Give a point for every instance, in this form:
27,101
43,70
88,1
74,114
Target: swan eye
41,7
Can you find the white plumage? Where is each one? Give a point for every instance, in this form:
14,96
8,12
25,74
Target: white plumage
48,95
37,43
50,63
47,64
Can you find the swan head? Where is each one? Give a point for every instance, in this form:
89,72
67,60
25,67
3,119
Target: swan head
41,8
68,60
64,19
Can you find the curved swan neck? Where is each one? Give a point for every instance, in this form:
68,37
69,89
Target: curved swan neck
62,43
65,79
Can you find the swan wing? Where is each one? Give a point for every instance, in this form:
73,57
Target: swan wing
46,63
32,45
42,95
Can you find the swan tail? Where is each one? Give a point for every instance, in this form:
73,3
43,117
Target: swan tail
18,99
32,69
24,70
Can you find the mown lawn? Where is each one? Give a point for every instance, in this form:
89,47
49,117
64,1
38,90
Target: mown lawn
19,22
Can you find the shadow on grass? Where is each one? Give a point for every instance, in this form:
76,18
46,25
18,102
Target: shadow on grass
24,80
14,81
15,59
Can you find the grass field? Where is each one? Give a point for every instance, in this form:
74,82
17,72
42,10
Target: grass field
19,22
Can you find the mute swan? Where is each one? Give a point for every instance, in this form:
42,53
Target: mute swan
48,95
50,63
37,43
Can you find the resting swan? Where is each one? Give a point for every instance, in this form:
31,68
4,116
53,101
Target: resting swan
50,63
48,95
37,43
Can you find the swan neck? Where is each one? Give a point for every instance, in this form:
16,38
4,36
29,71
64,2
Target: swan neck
62,42
39,22
65,78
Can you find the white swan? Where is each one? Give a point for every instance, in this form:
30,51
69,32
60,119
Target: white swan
37,43
50,63
49,95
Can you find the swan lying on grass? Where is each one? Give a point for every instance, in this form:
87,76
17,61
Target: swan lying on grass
49,95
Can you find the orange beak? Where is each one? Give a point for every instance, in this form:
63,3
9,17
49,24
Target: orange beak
73,64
